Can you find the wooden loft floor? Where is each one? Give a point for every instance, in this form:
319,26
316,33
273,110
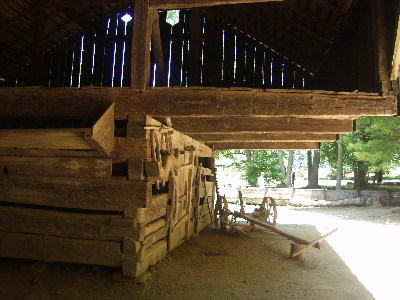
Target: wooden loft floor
222,117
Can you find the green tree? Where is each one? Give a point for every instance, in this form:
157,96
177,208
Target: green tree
252,162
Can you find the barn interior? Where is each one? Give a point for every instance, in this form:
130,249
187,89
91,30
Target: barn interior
111,113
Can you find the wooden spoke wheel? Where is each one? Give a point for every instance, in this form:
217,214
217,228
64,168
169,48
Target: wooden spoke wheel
267,212
221,212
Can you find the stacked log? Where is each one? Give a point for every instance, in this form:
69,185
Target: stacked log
120,198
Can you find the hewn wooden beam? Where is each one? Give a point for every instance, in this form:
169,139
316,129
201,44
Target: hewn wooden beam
265,146
158,4
181,102
263,137
140,58
190,125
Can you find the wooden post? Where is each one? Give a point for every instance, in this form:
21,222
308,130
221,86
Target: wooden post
37,53
140,60
158,50
195,47
380,32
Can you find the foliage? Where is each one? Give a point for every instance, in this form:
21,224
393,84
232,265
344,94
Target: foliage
252,162
376,143
380,145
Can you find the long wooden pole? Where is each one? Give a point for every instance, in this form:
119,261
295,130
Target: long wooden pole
298,252
274,229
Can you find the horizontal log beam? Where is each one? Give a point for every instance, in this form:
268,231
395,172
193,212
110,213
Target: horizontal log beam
157,4
83,193
179,4
263,137
251,124
181,102
265,146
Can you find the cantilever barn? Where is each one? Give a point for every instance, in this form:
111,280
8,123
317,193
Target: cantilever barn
110,111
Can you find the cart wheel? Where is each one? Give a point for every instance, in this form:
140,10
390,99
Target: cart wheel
268,211
221,212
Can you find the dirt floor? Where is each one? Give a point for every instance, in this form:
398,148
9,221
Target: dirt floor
218,265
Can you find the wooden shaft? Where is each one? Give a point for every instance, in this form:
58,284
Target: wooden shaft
274,229
312,243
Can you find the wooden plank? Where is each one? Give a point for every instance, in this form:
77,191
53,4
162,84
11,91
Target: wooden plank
263,137
180,4
83,193
45,138
55,249
65,224
127,148
102,133
140,58
251,124
265,146
49,152
156,210
57,166
131,267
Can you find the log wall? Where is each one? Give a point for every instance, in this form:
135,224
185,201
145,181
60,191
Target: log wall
125,207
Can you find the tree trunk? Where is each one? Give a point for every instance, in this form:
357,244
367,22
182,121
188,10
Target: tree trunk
309,164
313,179
339,166
289,168
360,180
282,167
379,176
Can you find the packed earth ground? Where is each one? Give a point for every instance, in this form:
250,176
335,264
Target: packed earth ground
359,261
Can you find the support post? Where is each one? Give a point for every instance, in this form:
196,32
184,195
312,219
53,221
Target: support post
37,53
195,47
382,44
140,60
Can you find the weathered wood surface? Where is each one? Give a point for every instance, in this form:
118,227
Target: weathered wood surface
265,146
57,166
126,148
140,57
83,193
49,152
36,102
251,124
181,102
65,224
102,133
264,137
395,72
47,248
159,4
131,267
156,210
45,138
181,4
